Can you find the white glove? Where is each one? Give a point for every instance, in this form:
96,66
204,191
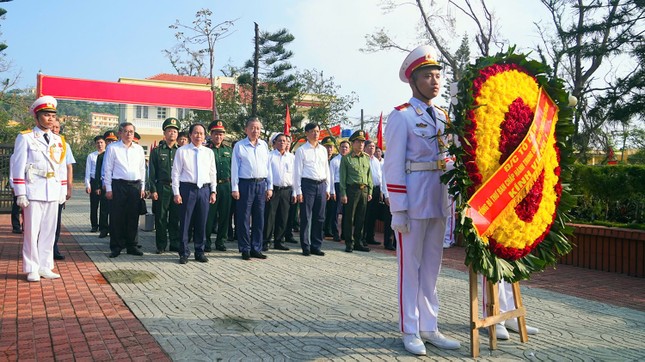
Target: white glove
400,222
450,163
62,198
22,201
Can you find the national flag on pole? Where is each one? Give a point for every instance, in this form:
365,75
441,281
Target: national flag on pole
287,122
379,133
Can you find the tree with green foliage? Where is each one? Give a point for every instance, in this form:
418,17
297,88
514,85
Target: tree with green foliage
277,84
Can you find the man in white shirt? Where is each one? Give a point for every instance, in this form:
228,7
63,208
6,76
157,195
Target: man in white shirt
311,181
124,172
374,209
194,186
90,181
251,186
277,210
334,171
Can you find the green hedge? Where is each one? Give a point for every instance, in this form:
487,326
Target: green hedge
609,194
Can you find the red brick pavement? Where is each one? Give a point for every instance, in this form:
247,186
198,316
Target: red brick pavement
77,317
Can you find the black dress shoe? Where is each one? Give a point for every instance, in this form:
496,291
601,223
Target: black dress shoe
328,235
349,249
59,257
207,249
135,251
94,229
292,241
318,252
220,248
279,246
265,247
103,234
246,255
201,258
16,231
159,251
361,248
257,255
373,242
306,252
389,247
115,253
183,260
336,238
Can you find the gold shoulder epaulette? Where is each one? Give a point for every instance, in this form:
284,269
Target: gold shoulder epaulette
25,131
402,107
62,138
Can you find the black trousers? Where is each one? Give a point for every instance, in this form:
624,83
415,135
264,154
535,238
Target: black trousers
372,214
15,215
312,214
94,207
124,214
277,215
104,212
60,213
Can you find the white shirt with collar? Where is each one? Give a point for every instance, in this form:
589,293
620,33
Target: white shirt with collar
310,162
124,163
90,167
250,161
334,171
195,165
377,171
281,168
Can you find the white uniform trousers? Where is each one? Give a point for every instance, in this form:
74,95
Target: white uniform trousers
419,253
449,236
40,230
505,296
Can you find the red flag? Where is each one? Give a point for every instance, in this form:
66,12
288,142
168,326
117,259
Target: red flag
287,122
379,133
367,136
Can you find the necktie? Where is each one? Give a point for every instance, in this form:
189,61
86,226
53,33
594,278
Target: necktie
46,137
432,115
199,185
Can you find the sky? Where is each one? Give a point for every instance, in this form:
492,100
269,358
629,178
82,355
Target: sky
107,40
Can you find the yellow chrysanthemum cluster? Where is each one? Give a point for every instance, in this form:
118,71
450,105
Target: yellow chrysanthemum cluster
496,95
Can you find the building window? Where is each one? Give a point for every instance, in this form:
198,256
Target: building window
161,113
142,112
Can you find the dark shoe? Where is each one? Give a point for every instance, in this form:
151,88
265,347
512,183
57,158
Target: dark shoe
348,249
170,248
361,248
246,255
207,249
183,260
103,234
16,231
328,235
135,251
201,258
220,248
390,247
279,246
59,257
306,252
257,255
292,241
159,251
373,242
115,253
336,238
265,247
94,229
318,252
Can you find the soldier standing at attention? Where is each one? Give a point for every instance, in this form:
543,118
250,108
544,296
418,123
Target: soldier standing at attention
355,192
39,177
414,163
90,182
159,171
219,212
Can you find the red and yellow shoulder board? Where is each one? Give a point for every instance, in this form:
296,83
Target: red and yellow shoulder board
402,107
26,131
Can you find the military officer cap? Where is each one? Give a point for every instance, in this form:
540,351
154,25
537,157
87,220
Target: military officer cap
216,126
137,137
423,56
328,141
357,136
171,122
110,136
44,103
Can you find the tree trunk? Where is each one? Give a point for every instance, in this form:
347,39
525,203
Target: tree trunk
256,65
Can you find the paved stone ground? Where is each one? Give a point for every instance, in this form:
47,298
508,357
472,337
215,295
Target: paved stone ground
340,306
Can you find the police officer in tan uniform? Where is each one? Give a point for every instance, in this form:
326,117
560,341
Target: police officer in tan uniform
39,177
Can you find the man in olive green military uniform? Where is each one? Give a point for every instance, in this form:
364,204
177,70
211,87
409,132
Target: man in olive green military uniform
219,212
355,192
160,186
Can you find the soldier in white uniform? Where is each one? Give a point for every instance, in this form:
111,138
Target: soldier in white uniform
39,177
418,199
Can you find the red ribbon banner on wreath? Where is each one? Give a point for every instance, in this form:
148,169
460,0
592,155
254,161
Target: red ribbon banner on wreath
510,183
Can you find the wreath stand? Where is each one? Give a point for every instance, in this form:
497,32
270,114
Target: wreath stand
494,317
